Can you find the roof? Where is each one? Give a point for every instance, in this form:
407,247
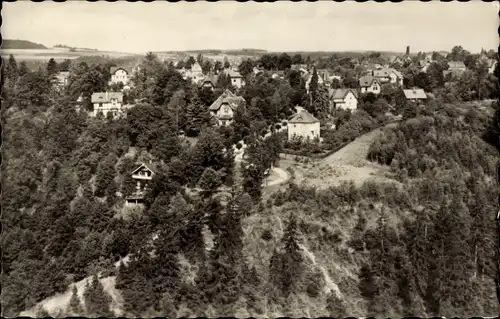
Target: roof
340,94
232,73
63,73
211,79
227,97
113,69
304,117
103,97
150,167
415,94
366,81
196,67
456,65
386,72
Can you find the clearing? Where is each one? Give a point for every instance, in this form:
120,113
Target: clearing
349,163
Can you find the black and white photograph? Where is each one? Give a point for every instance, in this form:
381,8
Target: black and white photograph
250,159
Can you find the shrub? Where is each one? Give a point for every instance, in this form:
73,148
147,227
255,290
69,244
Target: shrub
267,235
239,145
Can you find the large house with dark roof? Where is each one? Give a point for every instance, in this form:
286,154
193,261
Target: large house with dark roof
107,103
369,84
304,125
344,99
223,108
208,82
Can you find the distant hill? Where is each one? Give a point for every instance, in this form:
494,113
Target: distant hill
21,44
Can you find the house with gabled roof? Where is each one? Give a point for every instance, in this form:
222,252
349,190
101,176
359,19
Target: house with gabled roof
415,95
455,68
208,82
235,77
369,84
107,103
195,73
120,75
224,107
142,175
303,125
389,75
344,99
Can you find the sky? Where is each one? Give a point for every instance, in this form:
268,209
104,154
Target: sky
280,26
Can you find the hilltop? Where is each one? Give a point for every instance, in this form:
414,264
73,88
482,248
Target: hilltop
21,44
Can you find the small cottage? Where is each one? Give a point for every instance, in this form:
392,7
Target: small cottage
106,103
223,108
142,176
369,84
344,99
304,125
415,95
236,78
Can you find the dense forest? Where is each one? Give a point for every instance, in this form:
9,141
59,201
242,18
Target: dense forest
21,44
423,245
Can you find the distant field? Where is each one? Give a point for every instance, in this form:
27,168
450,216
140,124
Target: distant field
57,54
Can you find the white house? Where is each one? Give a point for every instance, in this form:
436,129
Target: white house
344,99
223,108
389,75
369,84
236,78
61,79
415,95
142,176
107,102
304,125
195,74
119,75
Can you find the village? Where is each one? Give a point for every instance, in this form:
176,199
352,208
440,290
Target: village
404,79
254,160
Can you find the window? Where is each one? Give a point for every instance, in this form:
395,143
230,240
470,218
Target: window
312,132
100,104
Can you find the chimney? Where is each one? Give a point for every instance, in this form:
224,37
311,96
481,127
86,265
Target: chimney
407,50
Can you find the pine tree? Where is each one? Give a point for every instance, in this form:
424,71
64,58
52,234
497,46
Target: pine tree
51,67
23,68
75,306
197,117
288,265
97,301
209,182
11,71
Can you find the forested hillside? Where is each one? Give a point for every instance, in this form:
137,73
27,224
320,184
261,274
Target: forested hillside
21,44
205,244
